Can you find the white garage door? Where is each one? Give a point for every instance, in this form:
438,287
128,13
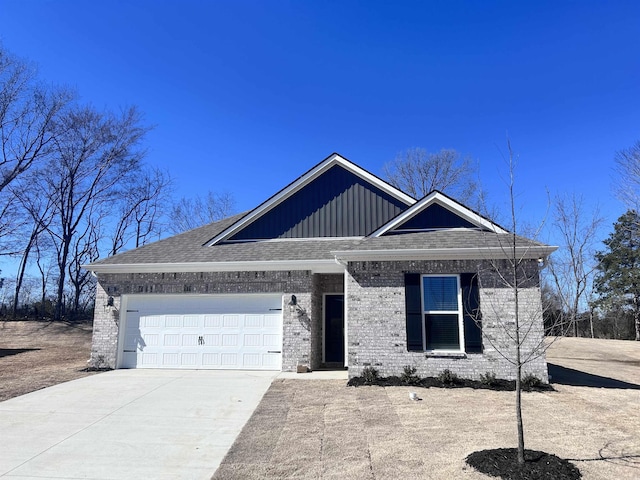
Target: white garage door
202,331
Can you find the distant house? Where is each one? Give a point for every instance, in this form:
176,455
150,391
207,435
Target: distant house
339,269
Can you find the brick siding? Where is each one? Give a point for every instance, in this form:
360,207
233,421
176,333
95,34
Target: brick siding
377,328
297,326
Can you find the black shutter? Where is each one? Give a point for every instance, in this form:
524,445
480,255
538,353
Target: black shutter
413,304
472,318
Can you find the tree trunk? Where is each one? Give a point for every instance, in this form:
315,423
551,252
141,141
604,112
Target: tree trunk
20,277
519,415
62,263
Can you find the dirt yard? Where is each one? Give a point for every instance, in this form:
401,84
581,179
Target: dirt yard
324,430
321,429
35,355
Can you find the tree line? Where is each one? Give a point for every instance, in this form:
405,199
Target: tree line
74,187
590,286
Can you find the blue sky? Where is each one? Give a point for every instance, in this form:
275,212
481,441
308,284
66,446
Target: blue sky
247,95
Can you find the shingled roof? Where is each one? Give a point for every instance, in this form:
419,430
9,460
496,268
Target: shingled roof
436,235
190,248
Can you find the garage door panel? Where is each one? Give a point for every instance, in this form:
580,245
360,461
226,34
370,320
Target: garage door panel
230,321
253,321
191,321
229,360
204,331
251,340
230,340
170,360
272,321
173,321
251,360
149,359
212,321
210,359
150,321
271,340
212,339
189,340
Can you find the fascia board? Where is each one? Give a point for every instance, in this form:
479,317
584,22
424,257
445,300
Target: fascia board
475,253
300,183
448,203
316,266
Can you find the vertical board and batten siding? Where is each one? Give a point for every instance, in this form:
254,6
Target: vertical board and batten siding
433,217
336,204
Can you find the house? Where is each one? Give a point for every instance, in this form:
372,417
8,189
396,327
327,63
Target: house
339,269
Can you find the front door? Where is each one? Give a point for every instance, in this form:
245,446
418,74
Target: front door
334,329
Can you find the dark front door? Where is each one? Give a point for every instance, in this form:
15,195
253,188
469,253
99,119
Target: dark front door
334,329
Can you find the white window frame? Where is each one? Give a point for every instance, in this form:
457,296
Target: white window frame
458,312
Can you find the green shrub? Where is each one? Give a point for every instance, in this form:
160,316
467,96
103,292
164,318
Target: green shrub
409,376
447,377
488,379
370,375
530,381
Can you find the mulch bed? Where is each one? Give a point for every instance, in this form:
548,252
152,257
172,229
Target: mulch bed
497,384
503,463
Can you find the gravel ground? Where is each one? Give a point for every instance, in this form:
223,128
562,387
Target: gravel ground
322,429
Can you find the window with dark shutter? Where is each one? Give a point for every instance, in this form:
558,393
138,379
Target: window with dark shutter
443,313
413,305
472,317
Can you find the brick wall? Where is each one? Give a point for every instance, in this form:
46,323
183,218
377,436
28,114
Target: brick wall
377,329
297,325
376,316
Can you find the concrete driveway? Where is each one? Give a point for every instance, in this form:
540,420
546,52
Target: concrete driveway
160,424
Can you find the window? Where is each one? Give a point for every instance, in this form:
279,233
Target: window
442,311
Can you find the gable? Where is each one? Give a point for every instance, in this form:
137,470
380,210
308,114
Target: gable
337,203
436,211
433,217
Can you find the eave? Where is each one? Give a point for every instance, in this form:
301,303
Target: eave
315,266
473,253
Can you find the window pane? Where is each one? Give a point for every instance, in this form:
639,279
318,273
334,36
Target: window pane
440,293
442,332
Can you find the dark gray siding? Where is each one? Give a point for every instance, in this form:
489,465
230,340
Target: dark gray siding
433,217
337,204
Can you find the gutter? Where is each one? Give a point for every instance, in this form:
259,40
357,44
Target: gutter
316,266
475,253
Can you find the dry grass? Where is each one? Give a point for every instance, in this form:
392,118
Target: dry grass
325,430
35,355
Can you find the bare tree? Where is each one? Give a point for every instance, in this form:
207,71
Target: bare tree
573,266
142,206
628,176
93,153
418,172
38,215
85,249
28,110
511,306
189,213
